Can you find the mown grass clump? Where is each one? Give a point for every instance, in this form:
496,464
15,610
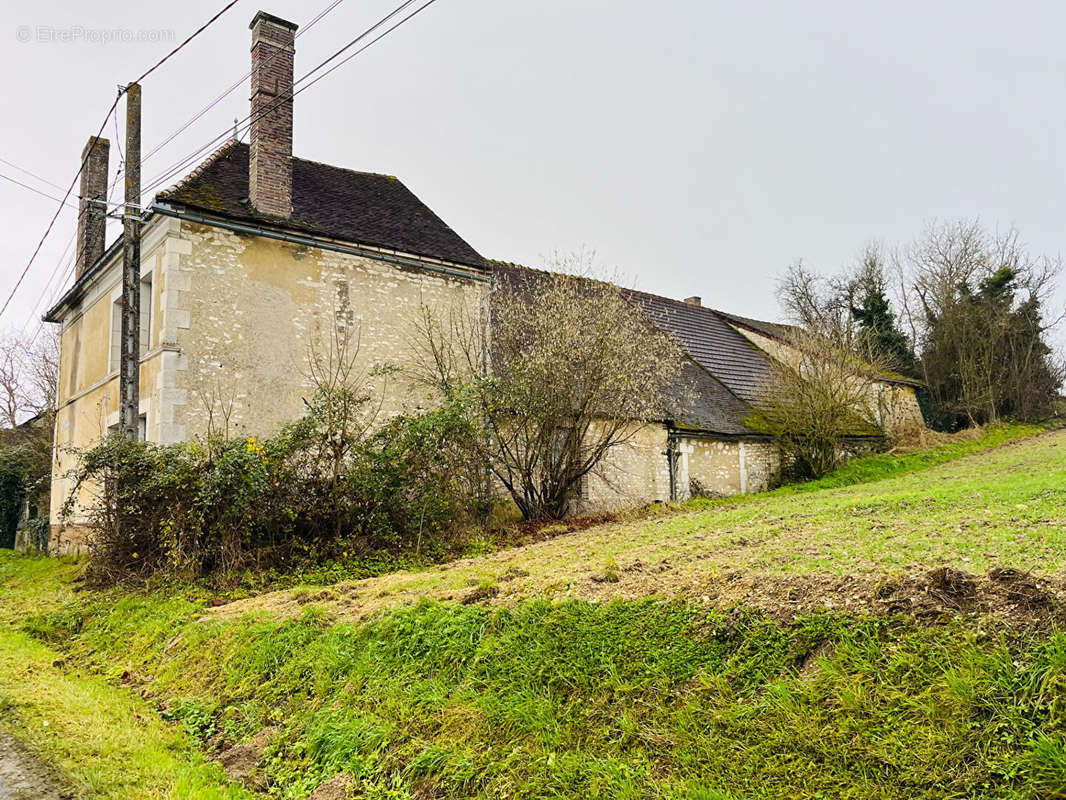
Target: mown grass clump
626,699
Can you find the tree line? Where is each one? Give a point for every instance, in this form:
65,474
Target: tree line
965,311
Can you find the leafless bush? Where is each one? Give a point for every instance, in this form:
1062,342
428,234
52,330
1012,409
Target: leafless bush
571,372
816,403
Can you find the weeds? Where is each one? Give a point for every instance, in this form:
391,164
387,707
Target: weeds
641,699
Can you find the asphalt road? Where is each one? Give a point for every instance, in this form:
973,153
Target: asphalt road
23,777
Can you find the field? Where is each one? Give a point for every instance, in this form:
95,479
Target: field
1005,508
895,630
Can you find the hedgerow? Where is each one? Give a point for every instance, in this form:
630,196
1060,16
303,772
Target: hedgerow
320,488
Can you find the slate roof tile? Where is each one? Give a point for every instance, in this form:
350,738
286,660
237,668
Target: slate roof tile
358,207
721,373
706,335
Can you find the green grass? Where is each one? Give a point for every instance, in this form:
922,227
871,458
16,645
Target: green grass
105,741
974,505
564,692
627,699
878,466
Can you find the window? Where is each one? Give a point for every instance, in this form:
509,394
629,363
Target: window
116,336
146,312
115,355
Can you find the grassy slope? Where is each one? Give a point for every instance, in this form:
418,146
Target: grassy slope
635,698
105,741
960,505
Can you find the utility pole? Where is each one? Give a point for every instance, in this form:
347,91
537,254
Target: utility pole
130,355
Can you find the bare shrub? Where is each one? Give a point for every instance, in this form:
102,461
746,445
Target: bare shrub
571,372
816,405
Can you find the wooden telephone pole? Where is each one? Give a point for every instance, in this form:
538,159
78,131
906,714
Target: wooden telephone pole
130,355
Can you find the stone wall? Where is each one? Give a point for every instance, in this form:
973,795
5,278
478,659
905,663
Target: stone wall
233,320
727,467
87,391
256,310
638,472
633,473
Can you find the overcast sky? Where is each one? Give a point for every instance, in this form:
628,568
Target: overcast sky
698,146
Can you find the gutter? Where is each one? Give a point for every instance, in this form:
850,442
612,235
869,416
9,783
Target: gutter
74,291
167,210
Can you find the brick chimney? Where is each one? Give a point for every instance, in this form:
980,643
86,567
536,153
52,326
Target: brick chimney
92,207
694,301
270,156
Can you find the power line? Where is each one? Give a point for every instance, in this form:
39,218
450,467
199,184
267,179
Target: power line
248,121
188,39
118,143
61,268
233,87
55,216
381,36
36,191
73,183
31,174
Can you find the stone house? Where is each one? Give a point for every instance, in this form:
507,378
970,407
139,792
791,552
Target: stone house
256,254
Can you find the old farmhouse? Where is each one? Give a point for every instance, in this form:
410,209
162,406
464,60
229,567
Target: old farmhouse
248,258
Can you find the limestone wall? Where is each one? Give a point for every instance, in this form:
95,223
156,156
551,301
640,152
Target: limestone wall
251,310
631,474
232,321
87,397
728,467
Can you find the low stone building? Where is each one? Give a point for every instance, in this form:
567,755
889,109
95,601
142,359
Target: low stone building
709,447
256,254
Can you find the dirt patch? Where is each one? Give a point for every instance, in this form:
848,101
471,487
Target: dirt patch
25,777
1005,593
241,763
336,788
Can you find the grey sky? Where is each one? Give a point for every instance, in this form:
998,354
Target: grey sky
699,147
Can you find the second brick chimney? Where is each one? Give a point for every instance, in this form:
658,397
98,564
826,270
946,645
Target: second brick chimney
270,155
92,205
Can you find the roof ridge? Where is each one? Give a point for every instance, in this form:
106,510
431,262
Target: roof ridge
203,165
680,303
346,169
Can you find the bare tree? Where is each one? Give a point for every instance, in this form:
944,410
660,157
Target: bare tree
344,408
977,301
816,402
11,381
566,371
29,371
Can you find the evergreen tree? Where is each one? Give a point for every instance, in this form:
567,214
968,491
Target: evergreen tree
879,336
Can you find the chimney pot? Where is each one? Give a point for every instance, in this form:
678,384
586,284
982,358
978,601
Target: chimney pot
92,205
270,145
694,300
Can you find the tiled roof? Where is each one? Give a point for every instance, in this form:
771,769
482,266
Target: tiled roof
776,330
706,336
359,207
701,402
702,398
